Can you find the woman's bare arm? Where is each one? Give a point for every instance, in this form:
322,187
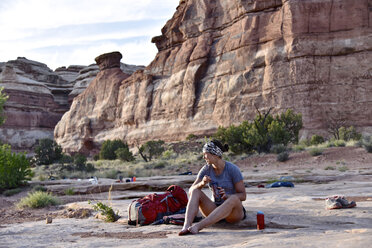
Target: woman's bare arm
200,183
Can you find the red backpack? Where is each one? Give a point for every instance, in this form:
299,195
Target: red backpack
153,207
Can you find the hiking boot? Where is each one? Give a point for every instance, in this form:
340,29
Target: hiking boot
331,203
345,203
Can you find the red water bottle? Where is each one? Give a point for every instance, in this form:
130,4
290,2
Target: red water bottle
260,220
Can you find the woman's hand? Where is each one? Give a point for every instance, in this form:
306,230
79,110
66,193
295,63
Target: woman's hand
206,179
222,193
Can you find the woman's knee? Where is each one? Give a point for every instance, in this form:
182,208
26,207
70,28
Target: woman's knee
194,192
234,199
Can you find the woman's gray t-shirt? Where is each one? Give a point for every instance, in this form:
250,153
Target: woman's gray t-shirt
226,180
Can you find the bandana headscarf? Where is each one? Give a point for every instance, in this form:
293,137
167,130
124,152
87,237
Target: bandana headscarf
210,147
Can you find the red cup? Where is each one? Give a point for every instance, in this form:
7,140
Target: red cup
260,220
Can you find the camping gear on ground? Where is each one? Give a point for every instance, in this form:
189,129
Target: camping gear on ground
154,206
280,184
337,202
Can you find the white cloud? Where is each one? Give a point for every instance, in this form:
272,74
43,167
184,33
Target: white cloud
42,30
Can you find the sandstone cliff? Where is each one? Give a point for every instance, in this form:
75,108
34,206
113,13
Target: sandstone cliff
219,60
38,97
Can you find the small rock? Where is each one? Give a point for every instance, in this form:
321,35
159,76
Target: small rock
48,220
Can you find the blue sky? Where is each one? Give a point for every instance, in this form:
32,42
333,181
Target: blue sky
74,32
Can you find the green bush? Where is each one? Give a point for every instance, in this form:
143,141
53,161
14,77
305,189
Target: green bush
124,154
106,211
282,157
109,148
65,159
80,162
151,149
11,192
39,188
349,133
14,168
316,139
47,152
233,135
96,157
367,143
315,151
299,148
343,168
3,99
262,133
38,199
89,167
339,143
278,148
70,191
191,137
160,165
168,154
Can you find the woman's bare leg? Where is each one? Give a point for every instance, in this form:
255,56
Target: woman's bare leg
231,210
197,198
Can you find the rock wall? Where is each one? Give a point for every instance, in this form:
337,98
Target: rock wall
38,97
37,100
220,60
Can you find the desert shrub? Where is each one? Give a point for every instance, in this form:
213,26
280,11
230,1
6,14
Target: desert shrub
316,151
330,143
47,152
316,139
191,137
329,168
96,157
233,135
65,159
112,173
168,154
299,147
151,149
89,167
38,199
109,148
106,211
263,132
278,148
349,133
282,157
70,191
11,192
124,154
3,99
343,168
367,143
339,143
80,161
39,187
160,165
14,168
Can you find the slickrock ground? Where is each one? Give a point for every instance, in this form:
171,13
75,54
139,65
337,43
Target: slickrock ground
295,217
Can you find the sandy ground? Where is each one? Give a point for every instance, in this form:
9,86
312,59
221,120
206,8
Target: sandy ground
295,217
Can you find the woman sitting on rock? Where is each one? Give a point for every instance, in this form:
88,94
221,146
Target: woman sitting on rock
226,183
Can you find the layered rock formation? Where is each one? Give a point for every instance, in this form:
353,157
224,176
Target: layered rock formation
220,60
38,97
87,74
37,101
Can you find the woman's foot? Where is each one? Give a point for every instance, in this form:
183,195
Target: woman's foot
184,232
193,229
